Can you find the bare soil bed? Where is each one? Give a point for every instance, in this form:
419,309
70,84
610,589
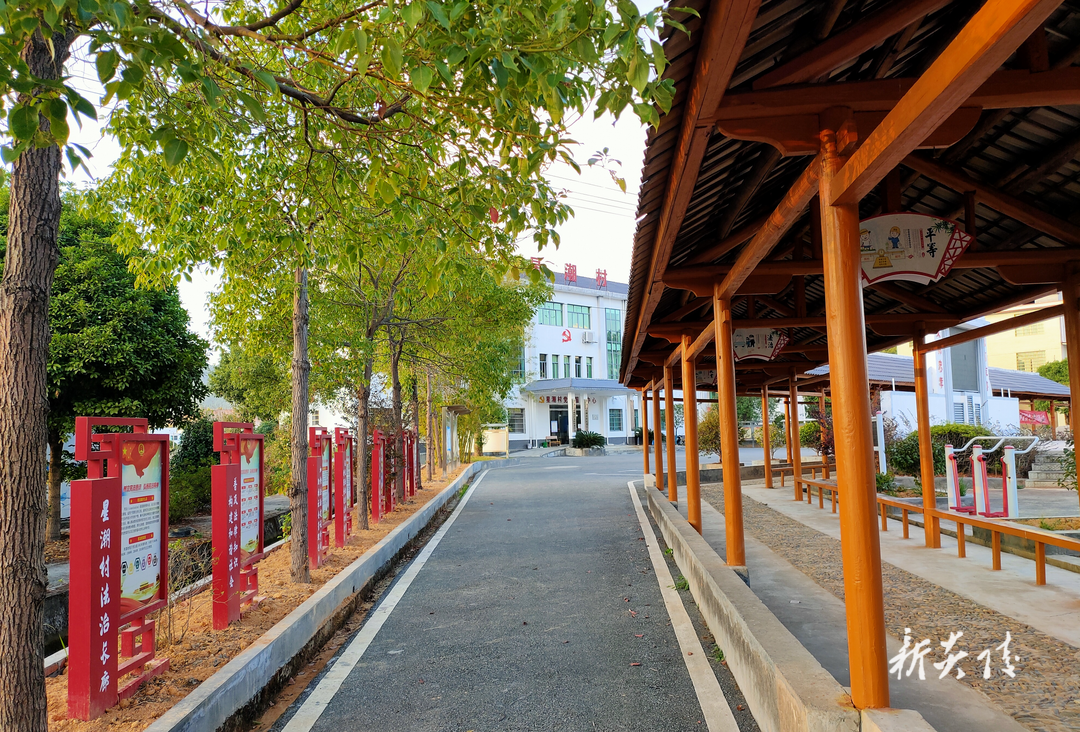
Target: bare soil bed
1052,524
195,650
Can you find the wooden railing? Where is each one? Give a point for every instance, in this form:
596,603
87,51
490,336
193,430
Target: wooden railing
997,527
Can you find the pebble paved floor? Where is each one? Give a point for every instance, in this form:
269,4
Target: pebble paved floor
1044,696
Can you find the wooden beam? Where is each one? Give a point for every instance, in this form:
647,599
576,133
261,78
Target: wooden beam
700,278
1036,316
723,35
1011,206
702,341
848,44
730,242
766,160
689,308
898,293
871,318
988,39
780,221
1004,90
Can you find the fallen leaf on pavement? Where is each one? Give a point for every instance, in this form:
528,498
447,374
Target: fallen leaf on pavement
635,664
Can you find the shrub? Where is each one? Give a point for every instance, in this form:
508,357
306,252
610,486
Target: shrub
189,492
196,446
903,455
1068,464
886,482
584,438
810,436
708,433
278,459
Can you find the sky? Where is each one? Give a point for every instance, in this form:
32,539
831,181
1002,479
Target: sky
598,236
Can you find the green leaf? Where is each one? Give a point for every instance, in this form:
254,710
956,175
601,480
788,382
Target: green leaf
412,14
659,59
688,11
421,78
56,112
175,150
361,42
23,122
253,107
439,14
638,76
106,64
85,108
133,75
266,79
391,56
211,91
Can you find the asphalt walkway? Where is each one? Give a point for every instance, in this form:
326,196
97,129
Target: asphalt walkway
536,607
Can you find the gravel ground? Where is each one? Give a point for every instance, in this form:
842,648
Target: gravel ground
1044,696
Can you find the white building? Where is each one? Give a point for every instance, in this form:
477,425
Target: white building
572,354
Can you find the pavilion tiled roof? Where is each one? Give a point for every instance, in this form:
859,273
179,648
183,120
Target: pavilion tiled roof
1025,153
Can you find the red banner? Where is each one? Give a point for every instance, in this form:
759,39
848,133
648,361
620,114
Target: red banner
1040,418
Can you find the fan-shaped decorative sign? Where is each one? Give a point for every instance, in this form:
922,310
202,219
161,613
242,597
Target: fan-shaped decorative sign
909,246
760,343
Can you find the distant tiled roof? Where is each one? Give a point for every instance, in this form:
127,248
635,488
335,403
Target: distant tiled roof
589,283
889,367
1025,382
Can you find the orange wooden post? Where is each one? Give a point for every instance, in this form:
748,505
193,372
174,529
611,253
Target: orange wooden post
787,430
931,525
1069,294
658,447
689,400
729,433
1053,420
860,547
766,433
1040,563
795,444
645,426
669,423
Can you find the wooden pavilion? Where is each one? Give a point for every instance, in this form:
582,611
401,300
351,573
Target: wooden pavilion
794,123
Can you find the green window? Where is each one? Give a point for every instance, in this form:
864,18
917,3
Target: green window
550,313
613,326
577,316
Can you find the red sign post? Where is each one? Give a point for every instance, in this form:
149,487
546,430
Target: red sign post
237,508
344,484
119,562
320,441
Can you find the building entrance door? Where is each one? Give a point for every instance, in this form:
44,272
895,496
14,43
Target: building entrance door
559,419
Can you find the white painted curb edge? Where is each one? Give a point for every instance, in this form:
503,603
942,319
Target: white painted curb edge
214,701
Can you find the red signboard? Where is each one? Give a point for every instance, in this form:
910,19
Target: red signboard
378,474
1041,418
119,562
344,484
237,509
320,441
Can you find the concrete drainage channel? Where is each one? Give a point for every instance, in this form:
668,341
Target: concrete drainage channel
250,682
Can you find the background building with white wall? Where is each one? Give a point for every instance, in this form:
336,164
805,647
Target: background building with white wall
571,362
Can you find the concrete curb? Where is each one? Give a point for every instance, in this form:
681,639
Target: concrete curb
243,679
785,686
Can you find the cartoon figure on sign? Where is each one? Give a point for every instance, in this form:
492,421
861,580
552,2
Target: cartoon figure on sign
566,337
894,237
865,244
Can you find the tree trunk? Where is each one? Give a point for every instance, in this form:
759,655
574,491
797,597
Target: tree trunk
442,444
33,223
399,451
298,489
429,443
56,463
363,419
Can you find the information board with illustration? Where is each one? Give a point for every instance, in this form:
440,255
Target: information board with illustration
250,487
759,343
141,545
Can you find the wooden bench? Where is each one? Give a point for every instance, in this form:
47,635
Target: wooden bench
822,486
825,469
